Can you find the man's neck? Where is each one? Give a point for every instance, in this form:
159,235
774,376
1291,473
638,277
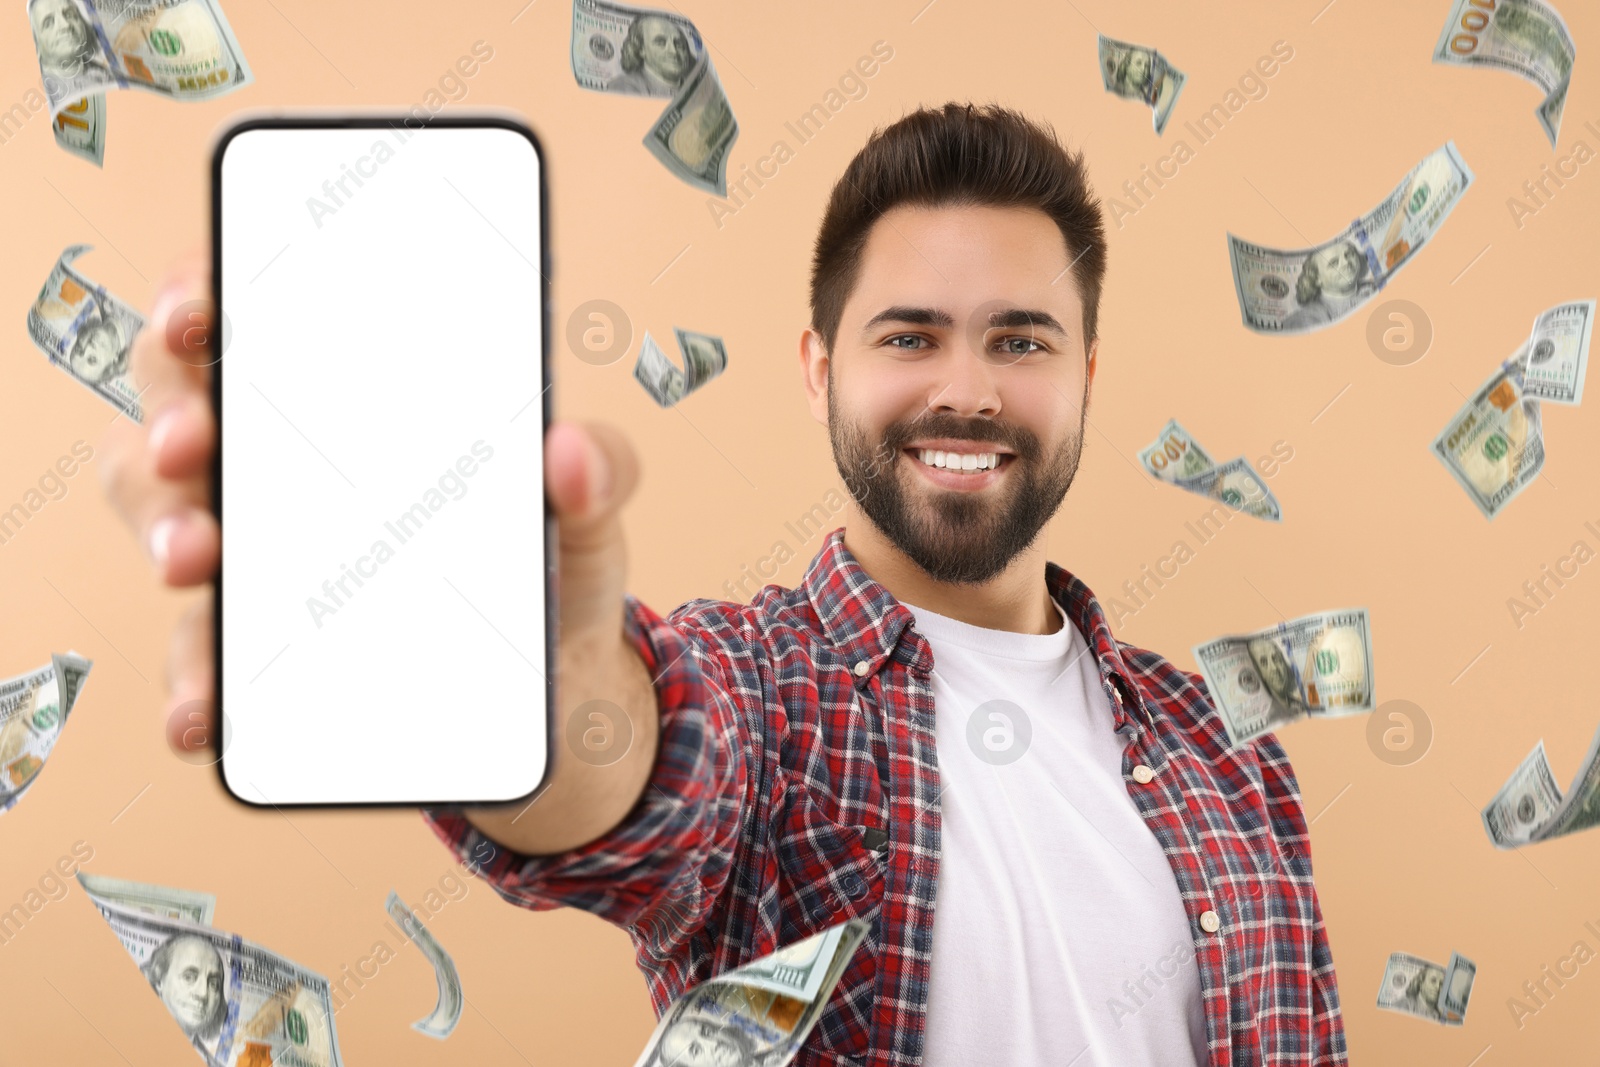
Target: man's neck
1016,600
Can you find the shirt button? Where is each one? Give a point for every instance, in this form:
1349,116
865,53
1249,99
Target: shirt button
1209,922
1142,775
861,669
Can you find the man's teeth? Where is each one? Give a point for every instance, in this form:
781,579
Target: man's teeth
959,461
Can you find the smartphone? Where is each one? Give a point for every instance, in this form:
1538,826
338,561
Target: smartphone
385,606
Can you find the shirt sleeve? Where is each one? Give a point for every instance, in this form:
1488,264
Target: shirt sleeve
666,864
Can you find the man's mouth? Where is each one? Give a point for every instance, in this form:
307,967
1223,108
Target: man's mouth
966,469
964,462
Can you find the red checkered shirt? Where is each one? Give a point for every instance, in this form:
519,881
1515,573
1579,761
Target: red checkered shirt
793,726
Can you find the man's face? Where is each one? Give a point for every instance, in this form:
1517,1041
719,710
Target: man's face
1271,665
95,357
192,988
700,1044
665,51
59,28
1338,269
964,335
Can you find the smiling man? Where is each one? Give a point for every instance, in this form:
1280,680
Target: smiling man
1060,857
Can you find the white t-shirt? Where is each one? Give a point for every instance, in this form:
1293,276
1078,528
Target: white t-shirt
1059,934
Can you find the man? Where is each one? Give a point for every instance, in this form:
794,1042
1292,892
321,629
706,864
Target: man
187,973
829,752
656,57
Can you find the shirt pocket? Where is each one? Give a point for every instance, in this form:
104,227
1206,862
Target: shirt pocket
826,874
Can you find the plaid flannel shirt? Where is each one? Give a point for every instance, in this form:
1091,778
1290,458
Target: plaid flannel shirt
797,733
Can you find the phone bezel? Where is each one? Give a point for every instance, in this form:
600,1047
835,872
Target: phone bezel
551,539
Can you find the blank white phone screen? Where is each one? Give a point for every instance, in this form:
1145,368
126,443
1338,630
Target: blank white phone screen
383,611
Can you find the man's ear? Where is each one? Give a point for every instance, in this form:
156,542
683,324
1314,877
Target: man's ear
1088,385
814,361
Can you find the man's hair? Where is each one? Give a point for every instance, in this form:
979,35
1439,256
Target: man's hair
956,155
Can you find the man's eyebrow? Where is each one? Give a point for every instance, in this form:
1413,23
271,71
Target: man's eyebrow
1010,318
1015,318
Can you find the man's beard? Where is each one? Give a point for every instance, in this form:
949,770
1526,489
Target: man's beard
959,537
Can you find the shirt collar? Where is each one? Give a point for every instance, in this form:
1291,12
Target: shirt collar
866,624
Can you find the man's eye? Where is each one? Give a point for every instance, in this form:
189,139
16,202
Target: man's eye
904,337
1007,346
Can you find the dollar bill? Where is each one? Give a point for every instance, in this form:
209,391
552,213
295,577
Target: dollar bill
239,1004
174,903
693,136
1555,360
1525,37
1494,445
33,710
759,1014
1459,975
1176,458
1138,73
80,128
1415,986
704,357
447,1011
640,51
87,332
182,49
653,370
1530,806
1317,666
1295,291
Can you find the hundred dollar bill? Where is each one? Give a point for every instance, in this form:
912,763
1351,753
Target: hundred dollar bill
87,332
1459,975
693,136
1294,291
1138,73
33,710
759,1014
617,48
1494,446
1526,37
704,357
1530,807
239,1004
182,49
1175,457
653,370
1555,360
183,904
447,1011
80,128
1414,986
1318,666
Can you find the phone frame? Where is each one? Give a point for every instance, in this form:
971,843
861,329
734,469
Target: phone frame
551,537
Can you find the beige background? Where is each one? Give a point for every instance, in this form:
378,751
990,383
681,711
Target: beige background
1401,859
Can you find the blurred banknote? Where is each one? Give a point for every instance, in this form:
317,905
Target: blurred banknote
87,332
1530,807
757,1015
638,51
1414,986
1526,37
33,709
240,1005
1142,74
447,1010
1177,458
1304,289
1556,358
1318,666
182,49
704,357
185,904
1494,446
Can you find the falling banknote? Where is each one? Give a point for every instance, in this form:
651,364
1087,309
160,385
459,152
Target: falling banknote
33,709
87,332
1318,666
447,1010
1305,289
185,904
637,51
1142,74
1494,445
1555,360
758,1014
1525,37
240,1005
1530,807
704,357
1178,459
1415,986
181,49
